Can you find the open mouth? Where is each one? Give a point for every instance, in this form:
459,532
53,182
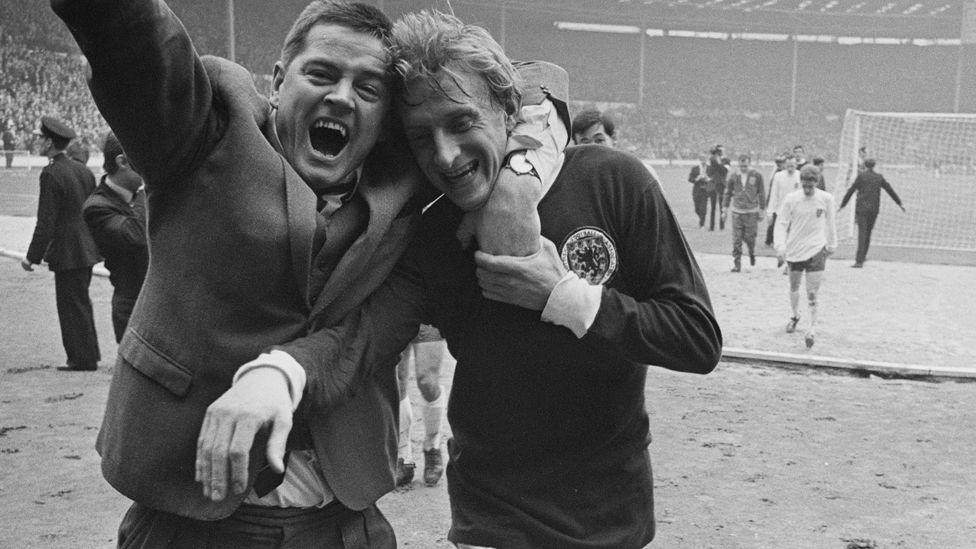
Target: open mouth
328,137
456,175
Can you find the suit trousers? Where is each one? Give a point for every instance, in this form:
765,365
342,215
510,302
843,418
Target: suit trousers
715,199
122,306
699,197
865,224
75,316
256,527
770,230
744,228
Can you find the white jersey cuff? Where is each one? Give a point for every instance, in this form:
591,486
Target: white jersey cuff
573,303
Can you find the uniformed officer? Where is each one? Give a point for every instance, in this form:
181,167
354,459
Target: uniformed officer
61,238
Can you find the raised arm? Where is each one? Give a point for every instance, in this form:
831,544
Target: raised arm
147,81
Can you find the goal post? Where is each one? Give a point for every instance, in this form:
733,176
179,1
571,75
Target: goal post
930,161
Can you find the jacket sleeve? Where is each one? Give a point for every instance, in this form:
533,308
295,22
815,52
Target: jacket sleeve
850,191
890,190
47,218
336,359
115,229
147,81
663,316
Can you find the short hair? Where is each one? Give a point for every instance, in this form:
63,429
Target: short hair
869,163
77,151
862,149
817,160
357,16
795,147
427,42
111,148
591,117
810,173
745,158
780,159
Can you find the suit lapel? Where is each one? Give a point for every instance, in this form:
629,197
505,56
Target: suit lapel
347,284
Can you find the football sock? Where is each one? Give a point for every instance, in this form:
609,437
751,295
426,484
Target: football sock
404,448
433,415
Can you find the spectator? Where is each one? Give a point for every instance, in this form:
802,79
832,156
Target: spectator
868,187
718,169
116,216
746,196
698,177
818,162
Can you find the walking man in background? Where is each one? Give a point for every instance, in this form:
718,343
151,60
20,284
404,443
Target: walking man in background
718,170
805,235
745,195
9,143
698,177
868,187
116,215
63,241
783,183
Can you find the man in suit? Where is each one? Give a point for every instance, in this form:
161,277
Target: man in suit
698,177
63,241
244,264
116,216
867,185
718,170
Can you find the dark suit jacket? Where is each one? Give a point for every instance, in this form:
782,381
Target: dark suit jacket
119,229
232,266
60,236
693,178
868,185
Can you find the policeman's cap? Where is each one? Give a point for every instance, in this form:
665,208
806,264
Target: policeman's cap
54,128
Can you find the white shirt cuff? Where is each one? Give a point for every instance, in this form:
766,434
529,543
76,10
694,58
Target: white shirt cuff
573,303
284,363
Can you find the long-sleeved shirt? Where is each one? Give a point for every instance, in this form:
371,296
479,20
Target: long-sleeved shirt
805,225
784,182
868,186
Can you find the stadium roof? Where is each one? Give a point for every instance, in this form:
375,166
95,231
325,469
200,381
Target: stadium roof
904,18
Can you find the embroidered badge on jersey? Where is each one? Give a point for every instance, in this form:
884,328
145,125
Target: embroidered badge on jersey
591,254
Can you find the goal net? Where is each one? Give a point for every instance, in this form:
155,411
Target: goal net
930,161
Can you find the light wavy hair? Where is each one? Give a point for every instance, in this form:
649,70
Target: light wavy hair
427,44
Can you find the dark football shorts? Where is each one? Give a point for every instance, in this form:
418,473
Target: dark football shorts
427,333
812,265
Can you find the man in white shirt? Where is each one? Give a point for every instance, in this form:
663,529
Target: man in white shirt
805,235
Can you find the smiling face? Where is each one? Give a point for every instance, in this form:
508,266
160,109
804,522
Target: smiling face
331,102
809,185
456,133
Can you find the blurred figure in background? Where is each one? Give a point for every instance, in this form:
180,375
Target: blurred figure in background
116,216
698,177
745,195
425,354
62,239
868,187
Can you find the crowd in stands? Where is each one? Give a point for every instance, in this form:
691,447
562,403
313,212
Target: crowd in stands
687,107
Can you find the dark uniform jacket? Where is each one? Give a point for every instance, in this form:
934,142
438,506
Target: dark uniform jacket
233,269
60,236
868,186
119,229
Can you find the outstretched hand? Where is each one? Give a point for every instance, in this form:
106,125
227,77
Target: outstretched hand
259,398
26,265
522,281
